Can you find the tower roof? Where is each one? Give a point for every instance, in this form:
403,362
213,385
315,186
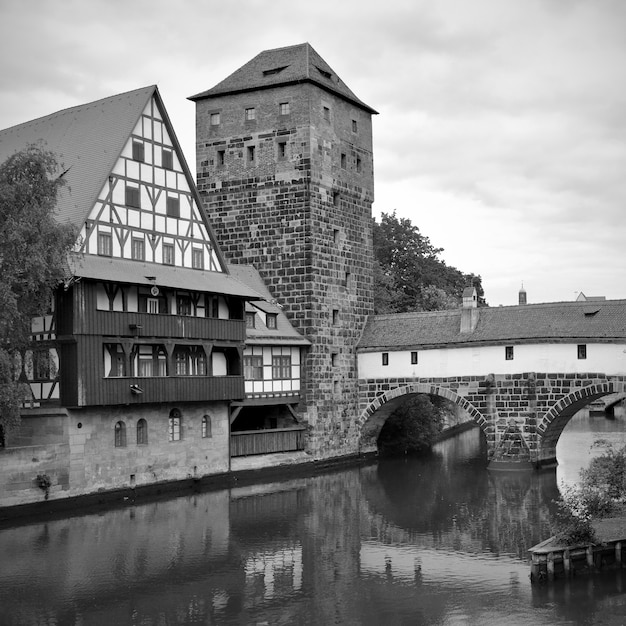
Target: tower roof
284,66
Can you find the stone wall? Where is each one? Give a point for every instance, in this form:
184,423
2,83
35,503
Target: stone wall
300,212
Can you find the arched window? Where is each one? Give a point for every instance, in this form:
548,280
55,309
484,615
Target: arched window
120,434
206,426
175,431
142,432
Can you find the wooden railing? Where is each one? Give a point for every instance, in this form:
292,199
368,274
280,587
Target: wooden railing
248,442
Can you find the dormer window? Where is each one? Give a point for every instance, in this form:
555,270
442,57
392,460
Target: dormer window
274,70
324,73
271,321
250,320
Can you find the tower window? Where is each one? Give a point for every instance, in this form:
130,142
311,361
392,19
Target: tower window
508,353
282,149
221,157
214,119
327,114
283,108
251,154
343,161
167,159
582,351
138,151
250,114
355,126
385,358
335,317
359,165
414,358
336,198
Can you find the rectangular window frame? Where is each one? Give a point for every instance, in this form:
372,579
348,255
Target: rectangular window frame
284,108
281,367
169,255
105,244
414,357
197,258
271,321
139,151
215,118
581,351
220,158
385,359
132,196
250,114
172,206
167,158
253,367
509,353
138,249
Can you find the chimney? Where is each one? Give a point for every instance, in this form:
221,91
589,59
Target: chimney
469,312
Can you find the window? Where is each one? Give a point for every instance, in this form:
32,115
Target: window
508,353
335,317
149,361
271,320
167,159
117,360
334,359
385,358
221,157
197,259
206,426
414,358
142,432
168,254
250,114
214,119
327,114
355,126
152,305
175,429
183,305
120,434
132,196
343,161
42,365
282,149
212,306
251,153
283,108
274,70
348,280
172,207
336,235
137,249
250,320
253,367
359,165
336,198
138,151
281,367
105,244
190,361
582,351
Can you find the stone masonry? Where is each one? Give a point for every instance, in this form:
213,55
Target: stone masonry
535,405
292,194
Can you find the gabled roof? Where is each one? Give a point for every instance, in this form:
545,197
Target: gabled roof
87,140
141,273
284,66
284,333
574,321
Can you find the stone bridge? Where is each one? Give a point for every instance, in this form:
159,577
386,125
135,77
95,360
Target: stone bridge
522,415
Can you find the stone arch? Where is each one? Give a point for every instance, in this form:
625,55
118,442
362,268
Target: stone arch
372,419
557,417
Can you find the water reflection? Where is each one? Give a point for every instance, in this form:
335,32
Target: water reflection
428,541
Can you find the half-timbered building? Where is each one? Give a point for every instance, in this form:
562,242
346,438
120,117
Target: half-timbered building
141,352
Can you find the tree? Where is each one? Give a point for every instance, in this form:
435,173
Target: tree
412,426
409,275
33,255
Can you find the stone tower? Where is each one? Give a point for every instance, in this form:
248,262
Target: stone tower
285,171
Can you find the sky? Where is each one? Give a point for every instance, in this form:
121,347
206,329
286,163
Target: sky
501,126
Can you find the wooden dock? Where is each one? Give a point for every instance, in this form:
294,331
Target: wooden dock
551,559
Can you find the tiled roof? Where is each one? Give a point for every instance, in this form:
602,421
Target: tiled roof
283,66
139,273
584,321
284,333
87,141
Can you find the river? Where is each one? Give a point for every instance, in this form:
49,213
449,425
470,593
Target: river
434,541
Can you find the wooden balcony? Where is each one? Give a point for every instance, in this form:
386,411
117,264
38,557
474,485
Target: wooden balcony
249,442
116,323
169,389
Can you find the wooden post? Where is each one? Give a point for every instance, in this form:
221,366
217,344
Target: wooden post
590,556
566,563
551,566
618,552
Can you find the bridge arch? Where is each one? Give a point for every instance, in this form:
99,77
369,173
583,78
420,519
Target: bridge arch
373,417
559,414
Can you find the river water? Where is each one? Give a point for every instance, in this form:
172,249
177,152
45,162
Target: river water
436,541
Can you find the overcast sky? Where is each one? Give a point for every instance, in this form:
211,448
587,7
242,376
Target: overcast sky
501,131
